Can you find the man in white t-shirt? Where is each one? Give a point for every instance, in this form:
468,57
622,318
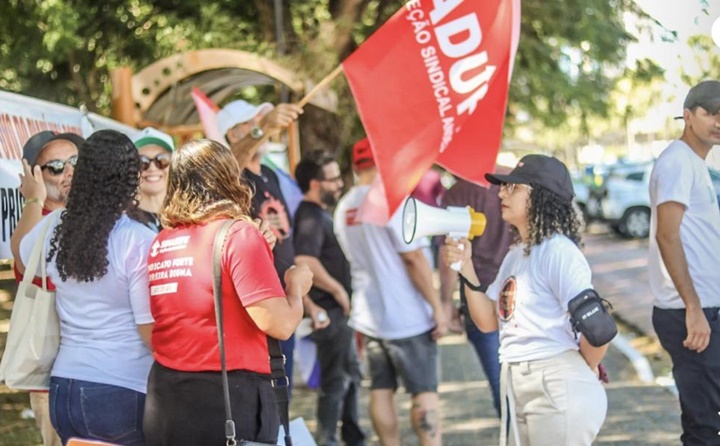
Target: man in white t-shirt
683,264
397,309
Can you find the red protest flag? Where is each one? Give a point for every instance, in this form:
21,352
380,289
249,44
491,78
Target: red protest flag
431,86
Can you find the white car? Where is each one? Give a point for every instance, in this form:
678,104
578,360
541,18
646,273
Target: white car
624,199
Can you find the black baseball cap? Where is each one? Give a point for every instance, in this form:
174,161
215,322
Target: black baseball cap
546,171
38,141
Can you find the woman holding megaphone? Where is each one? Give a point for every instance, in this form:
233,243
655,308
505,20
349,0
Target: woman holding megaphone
554,328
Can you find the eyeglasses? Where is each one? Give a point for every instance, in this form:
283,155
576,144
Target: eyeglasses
510,187
161,161
57,167
332,180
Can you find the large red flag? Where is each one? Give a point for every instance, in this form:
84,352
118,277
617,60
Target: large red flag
431,87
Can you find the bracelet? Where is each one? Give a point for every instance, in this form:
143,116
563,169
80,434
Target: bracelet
468,284
33,201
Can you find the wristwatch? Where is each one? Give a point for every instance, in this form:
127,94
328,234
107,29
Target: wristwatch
256,132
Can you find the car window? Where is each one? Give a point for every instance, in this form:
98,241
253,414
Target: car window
635,176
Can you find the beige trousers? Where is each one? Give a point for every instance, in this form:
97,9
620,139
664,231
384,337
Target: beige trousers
39,403
552,402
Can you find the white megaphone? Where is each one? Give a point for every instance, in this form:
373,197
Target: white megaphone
421,220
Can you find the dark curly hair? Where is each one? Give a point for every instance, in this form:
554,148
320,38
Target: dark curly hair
550,214
104,186
204,184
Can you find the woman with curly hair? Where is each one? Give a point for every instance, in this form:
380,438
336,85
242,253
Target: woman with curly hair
97,259
185,403
549,376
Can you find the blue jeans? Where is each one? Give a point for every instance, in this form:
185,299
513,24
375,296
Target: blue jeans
96,411
486,346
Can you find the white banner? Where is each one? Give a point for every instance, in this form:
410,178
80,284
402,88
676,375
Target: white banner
20,118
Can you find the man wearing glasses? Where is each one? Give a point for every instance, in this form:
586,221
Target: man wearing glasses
318,176
56,154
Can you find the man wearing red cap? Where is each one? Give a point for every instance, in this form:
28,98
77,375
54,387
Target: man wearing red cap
395,307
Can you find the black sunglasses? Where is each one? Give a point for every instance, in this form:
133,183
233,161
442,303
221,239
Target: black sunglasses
161,161
57,167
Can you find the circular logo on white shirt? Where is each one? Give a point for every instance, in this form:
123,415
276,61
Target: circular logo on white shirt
506,301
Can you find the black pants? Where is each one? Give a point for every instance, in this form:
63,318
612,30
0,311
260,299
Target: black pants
697,375
187,408
340,375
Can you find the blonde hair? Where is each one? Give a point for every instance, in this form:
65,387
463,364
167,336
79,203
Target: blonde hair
204,184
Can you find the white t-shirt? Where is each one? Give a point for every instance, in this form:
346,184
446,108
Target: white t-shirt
680,175
385,303
535,290
99,340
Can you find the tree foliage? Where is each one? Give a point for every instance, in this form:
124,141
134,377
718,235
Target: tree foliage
568,61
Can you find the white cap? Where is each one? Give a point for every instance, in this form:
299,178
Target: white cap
237,112
151,136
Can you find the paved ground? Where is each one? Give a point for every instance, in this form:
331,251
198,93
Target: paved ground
638,414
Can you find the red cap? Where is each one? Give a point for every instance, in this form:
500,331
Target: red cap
363,155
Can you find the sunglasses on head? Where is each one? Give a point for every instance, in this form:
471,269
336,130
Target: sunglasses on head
57,167
161,161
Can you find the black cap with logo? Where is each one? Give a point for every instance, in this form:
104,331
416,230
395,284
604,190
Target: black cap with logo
546,171
38,141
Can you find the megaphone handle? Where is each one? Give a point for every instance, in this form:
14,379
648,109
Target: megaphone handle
456,265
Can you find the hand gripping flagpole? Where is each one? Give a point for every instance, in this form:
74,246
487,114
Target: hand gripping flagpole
322,84
304,101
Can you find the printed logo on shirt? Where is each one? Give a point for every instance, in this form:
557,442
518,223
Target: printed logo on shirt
166,288
351,217
171,244
273,211
506,301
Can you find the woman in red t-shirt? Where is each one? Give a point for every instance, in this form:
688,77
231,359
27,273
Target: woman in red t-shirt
184,404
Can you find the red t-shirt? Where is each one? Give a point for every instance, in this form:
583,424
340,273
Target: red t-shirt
180,268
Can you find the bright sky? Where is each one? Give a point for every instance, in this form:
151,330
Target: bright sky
687,18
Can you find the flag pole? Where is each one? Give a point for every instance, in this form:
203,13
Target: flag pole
322,84
303,102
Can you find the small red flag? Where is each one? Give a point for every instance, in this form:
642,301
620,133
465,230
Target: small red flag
431,86
207,111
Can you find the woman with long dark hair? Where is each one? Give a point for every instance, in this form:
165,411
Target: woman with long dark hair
185,394
97,259
549,373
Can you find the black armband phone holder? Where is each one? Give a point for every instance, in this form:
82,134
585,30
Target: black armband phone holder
589,316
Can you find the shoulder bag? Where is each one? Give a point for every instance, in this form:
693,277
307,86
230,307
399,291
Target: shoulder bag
277,359
33,337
